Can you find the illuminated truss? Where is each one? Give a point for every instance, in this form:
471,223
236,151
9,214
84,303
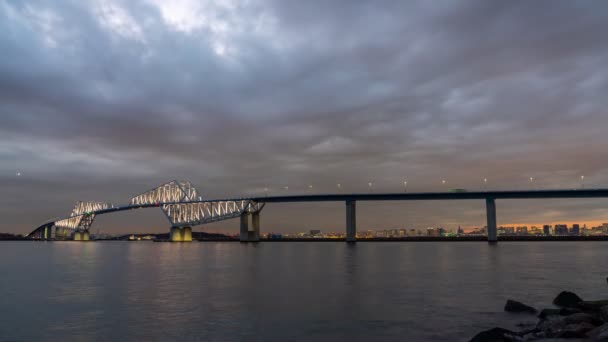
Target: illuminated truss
179,200
190,214
174,191
82,215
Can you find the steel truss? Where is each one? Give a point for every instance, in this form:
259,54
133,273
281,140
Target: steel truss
190,214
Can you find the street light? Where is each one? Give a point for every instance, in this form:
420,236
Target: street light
532,182
266,192
339,185
404,186
286,188
370,185
583,182
485,183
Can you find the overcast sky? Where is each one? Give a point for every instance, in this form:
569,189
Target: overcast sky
101,100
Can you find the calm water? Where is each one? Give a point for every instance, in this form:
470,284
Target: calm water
144,291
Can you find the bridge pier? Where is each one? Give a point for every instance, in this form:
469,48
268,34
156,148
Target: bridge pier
250,234
83,235
180,234
351,221
491,216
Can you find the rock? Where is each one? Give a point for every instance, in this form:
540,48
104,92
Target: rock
549,312
582,317
604,313
532,336
515,306
567,299
495,335
575,330
569,311
592,305
598,331
552,325
602,337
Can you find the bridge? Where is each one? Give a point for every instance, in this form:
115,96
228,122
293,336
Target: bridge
184,208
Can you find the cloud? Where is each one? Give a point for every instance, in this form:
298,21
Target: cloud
101,100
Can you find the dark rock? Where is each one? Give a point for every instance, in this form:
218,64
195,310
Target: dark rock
598,331
569,311
604,313
532,336
567,299
582,317
552,325
549,312
575,330
494,335
602,337
592,305
515,306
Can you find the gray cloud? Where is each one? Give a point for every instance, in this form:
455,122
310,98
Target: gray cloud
104,99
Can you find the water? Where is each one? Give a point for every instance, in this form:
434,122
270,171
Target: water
323,291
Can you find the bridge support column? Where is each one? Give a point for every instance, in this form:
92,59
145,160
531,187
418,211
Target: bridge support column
351,222
180,234
491,216
187,234
244,230
77,236
254,233
250,234
86,236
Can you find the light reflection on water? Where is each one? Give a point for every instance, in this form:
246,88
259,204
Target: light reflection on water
56,291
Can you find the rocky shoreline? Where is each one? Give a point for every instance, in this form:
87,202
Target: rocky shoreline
572,319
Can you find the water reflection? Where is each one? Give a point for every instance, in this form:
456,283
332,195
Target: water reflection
281,291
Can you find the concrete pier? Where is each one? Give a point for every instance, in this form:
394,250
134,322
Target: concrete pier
254,233
250,233
86,236
491,215
351,222
180,234
77,236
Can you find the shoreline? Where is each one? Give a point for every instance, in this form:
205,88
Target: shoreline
363,240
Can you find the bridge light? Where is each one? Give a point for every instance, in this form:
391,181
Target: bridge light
404,186
339,185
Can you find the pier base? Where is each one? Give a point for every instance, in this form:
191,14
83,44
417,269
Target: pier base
180,234
247,233
351,222
77,236
491,216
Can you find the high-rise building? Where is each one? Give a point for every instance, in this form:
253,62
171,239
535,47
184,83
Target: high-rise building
547,230
576,229
523,230
561,229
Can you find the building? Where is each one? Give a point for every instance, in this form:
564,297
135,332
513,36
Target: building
576,229
523,230
561,229
547,230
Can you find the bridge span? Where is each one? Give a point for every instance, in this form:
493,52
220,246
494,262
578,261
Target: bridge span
184,208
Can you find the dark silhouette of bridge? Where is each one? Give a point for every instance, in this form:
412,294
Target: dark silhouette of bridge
185,208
